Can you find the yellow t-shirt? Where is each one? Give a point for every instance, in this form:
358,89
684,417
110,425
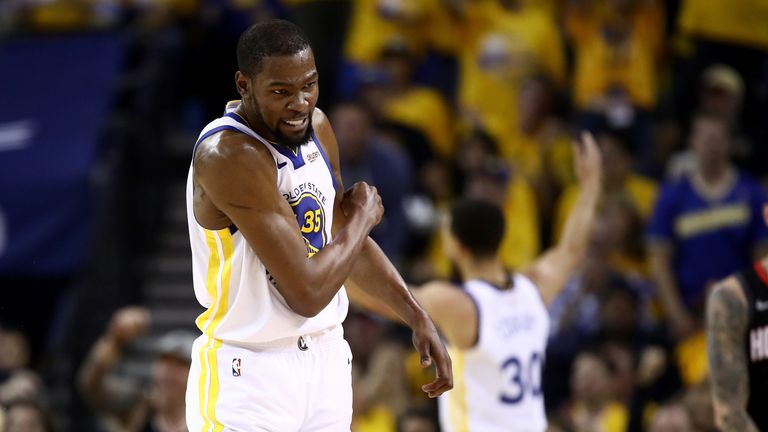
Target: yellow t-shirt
423,24
613,418
377,419
535,158
691,356
500,48
521,242
425,110
742,22
640,191
630,64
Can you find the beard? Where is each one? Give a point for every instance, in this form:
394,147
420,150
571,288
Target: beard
295,141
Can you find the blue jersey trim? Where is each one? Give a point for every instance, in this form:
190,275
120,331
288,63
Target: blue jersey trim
213,131
297,158
327,162
237,118
232,229
479,316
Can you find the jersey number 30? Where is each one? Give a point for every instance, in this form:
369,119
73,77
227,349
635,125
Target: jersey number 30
521,378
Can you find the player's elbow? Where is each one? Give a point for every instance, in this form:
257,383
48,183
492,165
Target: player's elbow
304,300
305,309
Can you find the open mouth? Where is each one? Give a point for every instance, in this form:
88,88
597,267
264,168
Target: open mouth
296,124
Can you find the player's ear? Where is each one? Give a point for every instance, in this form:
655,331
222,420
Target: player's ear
242,83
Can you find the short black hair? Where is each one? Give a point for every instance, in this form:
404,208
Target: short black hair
478,225
269,38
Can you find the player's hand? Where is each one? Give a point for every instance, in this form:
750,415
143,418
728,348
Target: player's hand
588,162
128,324
363,199
431,350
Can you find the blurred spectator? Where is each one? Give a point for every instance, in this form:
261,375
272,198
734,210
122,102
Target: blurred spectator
625,192
326,23
366,156
593,407
698,402
721,94
425,24
396,99
378,379
17,381
706,225
715,32
25,416
377,22
417,420
617,45
672,417
542,151
503,42
128,404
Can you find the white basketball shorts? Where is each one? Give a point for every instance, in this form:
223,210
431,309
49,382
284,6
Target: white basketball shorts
290,385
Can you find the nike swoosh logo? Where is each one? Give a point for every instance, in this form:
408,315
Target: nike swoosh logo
280,165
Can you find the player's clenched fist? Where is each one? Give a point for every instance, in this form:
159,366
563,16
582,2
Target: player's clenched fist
363,199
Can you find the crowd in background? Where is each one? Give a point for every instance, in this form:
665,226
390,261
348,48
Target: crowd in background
430,101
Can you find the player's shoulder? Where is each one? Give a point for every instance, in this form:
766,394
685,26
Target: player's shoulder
439,286
320,121
441,294
231,148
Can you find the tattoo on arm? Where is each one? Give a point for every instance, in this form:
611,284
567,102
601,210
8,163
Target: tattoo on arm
727,318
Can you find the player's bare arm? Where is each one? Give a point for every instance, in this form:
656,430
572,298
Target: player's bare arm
727,319
235,183
375,275
551,271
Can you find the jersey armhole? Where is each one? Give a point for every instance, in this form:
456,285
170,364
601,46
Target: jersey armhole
478,314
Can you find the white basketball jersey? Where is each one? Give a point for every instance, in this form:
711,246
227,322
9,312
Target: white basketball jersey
243,305
497,383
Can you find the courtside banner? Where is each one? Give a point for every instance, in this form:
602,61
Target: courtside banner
55,96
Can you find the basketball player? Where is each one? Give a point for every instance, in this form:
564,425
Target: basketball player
737,347
497,325
273,239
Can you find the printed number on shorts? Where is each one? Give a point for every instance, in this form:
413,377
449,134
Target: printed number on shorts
521,378
311,221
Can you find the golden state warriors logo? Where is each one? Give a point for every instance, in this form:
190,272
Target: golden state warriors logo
310,216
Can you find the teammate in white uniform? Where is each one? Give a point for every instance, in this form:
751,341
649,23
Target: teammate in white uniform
497,325
272,243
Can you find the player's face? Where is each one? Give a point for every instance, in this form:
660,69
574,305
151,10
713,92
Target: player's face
282,97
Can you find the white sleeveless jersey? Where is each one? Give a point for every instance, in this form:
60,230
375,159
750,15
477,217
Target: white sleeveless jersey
243,305
497,383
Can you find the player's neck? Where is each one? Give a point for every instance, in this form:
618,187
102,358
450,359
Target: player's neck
490,270
253,122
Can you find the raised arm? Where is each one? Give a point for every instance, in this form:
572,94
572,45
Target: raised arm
95,376
238,176
376,277
727,318
551,271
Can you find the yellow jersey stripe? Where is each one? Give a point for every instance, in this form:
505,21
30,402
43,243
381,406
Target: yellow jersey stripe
217,281
227,249
458,397
202,384
202,321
